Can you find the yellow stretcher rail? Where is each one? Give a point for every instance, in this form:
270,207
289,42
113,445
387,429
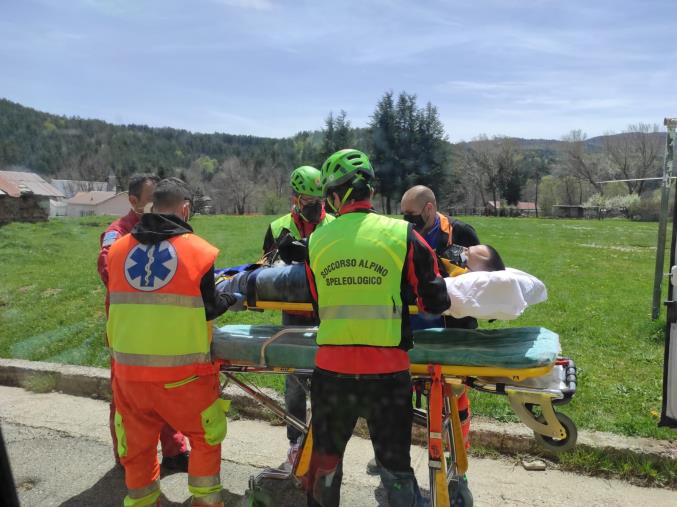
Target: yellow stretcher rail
516,374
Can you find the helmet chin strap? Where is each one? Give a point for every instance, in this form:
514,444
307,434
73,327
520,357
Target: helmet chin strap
343,202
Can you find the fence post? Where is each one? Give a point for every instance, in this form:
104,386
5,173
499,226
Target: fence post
671,124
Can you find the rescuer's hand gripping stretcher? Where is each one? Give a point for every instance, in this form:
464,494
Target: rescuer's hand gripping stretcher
522,363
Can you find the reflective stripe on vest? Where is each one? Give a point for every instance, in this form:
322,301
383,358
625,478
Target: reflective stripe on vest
287,222
145,298
360,312
156,327
357,263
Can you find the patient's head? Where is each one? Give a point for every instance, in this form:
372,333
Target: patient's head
483,258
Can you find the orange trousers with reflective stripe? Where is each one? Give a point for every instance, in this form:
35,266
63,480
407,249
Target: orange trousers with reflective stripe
172,442
146,407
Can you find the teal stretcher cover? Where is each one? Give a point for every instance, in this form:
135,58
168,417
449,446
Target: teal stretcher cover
516,348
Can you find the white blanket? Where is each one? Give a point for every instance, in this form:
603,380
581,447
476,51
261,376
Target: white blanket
502,295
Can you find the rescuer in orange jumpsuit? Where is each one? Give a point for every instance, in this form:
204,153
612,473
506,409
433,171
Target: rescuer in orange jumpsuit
162,299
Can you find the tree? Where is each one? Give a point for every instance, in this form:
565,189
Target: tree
549,190
337,134
634,154
234,185
536,164
383,149
408,146
509,176
204,167
578,163
407,149
483,157
432,148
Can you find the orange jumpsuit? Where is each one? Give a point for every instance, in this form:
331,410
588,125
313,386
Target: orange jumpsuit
159,339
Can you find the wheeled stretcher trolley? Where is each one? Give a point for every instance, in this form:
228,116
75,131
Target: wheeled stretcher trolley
522,363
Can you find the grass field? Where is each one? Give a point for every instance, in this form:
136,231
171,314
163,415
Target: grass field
599,276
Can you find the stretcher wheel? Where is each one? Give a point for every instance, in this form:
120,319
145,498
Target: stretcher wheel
459,494
554,445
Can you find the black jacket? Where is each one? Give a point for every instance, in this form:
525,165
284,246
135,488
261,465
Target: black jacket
154,228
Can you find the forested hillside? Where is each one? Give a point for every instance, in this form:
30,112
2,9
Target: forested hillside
406,142
90,149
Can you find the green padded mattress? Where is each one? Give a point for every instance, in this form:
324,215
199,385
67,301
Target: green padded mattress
517,347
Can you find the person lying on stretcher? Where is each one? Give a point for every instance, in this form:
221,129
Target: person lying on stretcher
458,260
487,290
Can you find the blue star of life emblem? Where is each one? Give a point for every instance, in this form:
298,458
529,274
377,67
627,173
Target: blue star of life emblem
151,267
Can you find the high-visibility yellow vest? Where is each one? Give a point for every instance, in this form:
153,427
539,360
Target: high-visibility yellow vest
156,325
287,222
357,263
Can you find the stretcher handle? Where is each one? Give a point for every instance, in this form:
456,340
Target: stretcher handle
299,307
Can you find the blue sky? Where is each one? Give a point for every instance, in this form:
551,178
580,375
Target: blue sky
528,68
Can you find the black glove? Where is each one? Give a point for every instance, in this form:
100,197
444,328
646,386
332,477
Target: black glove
236,302
292,250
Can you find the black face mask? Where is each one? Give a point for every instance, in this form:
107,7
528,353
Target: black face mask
417,220
312,212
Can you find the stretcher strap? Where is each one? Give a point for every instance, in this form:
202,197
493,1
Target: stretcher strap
251,288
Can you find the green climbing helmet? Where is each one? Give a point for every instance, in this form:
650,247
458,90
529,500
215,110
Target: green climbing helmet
343,166
305,180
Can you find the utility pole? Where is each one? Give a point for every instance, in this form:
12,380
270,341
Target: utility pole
671,124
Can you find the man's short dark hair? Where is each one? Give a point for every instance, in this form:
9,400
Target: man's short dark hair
494,262
137,181
361,189
170,193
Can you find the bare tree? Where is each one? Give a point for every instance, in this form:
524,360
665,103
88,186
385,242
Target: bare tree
485,159
634,154
577,162
234,185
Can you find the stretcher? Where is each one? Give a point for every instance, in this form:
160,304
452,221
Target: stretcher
522,363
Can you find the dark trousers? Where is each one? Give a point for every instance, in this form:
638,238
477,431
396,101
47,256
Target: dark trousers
295,402
295,386
385,402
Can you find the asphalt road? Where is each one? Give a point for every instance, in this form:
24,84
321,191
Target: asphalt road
60,453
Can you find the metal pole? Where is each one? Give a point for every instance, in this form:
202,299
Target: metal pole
671,124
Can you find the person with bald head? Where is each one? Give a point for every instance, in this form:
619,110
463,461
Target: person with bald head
419,206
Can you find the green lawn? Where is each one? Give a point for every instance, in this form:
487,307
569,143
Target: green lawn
599,276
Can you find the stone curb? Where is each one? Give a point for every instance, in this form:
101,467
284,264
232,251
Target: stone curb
508,438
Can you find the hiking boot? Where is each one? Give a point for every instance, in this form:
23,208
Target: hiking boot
178,463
